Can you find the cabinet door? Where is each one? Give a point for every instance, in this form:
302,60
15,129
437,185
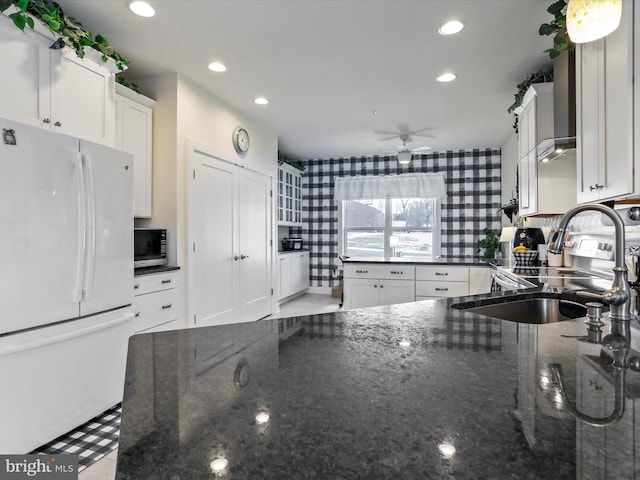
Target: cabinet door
589,125
82,98
528,161
360,292
25,67
479,280
285,276
301,271
134,135
396,291
604,114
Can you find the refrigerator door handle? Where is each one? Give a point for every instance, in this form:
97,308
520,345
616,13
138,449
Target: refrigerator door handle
82,228
90,237
63,337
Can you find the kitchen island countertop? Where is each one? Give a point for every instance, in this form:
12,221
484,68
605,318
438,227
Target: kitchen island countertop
375,393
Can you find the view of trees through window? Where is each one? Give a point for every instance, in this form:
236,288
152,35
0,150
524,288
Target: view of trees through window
388,228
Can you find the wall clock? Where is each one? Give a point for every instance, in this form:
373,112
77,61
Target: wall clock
240,140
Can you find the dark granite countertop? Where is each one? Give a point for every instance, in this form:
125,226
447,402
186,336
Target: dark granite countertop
455,260
154,269
373,394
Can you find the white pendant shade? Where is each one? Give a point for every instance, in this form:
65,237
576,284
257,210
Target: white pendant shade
589,20
404,157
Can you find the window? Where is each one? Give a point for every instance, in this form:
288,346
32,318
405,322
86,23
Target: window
391,228
390,216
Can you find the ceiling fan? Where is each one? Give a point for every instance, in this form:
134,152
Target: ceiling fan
405,153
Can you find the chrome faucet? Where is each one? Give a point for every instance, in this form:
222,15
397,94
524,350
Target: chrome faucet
618,297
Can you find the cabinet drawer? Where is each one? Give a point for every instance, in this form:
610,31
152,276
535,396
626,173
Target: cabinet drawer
392,272
443,273
441,289
154,283
155,309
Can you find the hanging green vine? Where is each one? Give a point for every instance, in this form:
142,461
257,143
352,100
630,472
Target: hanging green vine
536,77
69,29
558,28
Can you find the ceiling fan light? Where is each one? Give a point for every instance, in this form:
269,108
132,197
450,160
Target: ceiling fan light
589,20
404,158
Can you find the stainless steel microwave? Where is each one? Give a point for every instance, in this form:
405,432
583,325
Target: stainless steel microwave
149,247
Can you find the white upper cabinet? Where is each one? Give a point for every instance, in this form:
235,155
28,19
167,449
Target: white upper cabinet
134,134
54,89
604,113
544,188
289,195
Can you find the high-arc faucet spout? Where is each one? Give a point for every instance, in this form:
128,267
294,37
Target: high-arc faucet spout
619,295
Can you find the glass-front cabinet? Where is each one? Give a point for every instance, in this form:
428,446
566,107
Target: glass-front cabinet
289,195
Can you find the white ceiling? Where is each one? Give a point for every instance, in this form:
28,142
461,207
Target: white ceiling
325,65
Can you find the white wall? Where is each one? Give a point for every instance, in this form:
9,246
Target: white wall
185,112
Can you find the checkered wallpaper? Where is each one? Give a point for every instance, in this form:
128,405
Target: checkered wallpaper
473,198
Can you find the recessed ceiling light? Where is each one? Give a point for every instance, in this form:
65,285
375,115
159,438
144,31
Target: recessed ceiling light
450,28
142,9
217,67
446,77
261,101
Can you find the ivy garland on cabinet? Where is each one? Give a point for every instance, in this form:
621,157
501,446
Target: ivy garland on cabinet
70,31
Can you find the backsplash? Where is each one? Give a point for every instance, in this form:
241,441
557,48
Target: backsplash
473,197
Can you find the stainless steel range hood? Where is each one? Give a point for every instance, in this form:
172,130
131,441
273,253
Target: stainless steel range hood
563,142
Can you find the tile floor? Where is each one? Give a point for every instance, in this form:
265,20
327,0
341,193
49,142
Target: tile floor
307,304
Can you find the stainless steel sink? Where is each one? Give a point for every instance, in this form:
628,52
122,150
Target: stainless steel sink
528,310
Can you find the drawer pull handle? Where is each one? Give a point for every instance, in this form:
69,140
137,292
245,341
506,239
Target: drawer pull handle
165,307
362,271
137,314
397,272
375,286
136,286
441,274
166,281
441,289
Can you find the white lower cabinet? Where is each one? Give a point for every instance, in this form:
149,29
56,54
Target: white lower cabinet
367,285
436,281
480,280
155,302
294,273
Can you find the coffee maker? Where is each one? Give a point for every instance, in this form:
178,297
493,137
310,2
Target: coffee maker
529,237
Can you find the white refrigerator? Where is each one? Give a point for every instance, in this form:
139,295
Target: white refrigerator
66,282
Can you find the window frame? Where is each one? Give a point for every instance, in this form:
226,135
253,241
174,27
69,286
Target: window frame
389,229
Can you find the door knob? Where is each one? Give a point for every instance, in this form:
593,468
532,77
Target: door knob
242,257
235,257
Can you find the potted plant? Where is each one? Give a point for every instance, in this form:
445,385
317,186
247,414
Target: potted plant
490,244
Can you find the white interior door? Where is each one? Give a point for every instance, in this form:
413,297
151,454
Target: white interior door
212,231
255,223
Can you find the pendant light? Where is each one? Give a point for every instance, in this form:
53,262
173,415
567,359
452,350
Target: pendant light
589,20
404,157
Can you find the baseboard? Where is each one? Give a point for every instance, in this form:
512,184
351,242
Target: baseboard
320,290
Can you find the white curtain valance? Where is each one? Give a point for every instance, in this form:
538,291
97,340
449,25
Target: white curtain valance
409,185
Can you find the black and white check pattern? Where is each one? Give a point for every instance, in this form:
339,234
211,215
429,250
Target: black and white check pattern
91,441
473,185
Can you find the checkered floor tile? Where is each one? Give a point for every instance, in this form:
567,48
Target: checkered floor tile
90,441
